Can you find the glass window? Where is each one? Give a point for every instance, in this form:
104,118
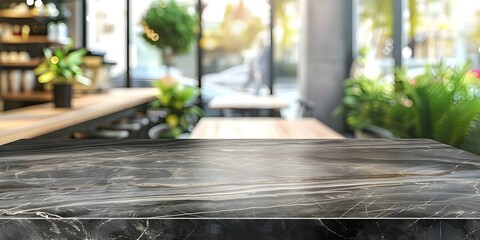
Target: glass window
444,30
146,61
236,47
374,37
438,30
286,39
106,21
106,26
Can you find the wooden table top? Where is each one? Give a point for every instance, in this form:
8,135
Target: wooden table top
262,128
34,121
247,102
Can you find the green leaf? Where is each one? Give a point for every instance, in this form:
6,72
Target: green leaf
66,67
196,110
60,55
47,53
83,80
155,104
177,132
186,94
47,77
161,86
76,69
76,57
42,68
67,74
165,100
67,48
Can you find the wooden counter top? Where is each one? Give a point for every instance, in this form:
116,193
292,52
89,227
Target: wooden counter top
42,119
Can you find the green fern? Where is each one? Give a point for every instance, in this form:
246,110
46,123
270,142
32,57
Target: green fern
364,102
442,104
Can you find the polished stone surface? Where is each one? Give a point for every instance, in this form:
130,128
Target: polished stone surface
241,229
338,179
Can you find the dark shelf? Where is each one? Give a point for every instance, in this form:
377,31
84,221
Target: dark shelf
31,63
31,40
33,45
10,14
30,97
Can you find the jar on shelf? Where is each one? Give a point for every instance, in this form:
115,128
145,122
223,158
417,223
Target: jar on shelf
16,30
4,82
28,81
14,81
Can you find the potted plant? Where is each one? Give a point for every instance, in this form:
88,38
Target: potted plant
169,27
177,101
442,104
62,68
365,103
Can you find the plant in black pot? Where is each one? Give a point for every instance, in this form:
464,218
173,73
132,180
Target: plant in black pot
61,67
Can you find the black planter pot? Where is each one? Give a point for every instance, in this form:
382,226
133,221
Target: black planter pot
62,95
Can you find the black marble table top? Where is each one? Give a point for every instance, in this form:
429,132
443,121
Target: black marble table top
370,179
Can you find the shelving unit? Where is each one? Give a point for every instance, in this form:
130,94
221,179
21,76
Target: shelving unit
33,44
29,97
8,15
32,40
21,66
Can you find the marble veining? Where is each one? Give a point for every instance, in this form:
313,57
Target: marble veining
241,229
342,179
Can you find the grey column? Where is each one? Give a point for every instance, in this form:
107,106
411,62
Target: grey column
400,35
77,22
326,54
